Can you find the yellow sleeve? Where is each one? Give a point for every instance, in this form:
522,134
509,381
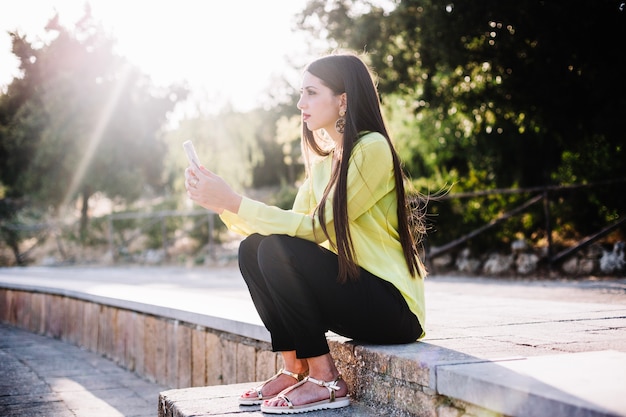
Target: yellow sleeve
370,177
257,217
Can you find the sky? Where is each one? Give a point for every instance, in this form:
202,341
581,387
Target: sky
227,51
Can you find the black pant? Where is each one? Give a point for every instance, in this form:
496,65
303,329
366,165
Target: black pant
293,284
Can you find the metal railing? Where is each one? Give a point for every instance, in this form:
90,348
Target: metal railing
156,217
542,195
539,194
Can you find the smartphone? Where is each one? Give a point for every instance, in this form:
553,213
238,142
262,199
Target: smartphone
191,153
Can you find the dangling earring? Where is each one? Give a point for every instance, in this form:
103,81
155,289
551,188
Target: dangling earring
340,124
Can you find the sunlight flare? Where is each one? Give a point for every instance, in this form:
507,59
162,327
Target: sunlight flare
96,135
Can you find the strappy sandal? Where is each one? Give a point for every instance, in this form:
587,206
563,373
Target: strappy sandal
259,398
331,402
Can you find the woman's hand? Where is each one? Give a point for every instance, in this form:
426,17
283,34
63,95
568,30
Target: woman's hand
210,190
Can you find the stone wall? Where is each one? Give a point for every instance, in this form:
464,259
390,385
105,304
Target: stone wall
165,351
396,380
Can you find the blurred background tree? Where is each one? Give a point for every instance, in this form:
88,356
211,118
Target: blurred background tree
80,121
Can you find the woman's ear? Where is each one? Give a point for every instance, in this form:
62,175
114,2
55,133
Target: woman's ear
343,101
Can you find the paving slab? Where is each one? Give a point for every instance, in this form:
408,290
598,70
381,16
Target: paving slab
588,384
42,376
221,401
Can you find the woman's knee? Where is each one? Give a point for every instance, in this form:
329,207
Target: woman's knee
250,245
272,248
248,250
263,250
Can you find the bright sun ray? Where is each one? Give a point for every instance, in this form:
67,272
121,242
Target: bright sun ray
96,135
224,49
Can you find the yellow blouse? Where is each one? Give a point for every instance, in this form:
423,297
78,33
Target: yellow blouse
371,213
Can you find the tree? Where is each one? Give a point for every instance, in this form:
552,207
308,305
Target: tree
226,143
80,120
524,93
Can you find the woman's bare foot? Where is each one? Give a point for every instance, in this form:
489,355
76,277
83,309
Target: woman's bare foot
309,393
321,368
297,368
271,388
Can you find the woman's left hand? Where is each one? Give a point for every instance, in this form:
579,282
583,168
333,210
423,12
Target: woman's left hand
210,190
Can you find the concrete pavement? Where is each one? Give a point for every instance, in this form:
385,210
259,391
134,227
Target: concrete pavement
45,377
487,318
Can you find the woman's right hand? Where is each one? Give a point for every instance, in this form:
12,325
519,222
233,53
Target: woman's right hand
210,191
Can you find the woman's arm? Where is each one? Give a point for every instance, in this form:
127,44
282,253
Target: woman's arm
370,177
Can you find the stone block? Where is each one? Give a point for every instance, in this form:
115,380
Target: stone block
183,353
10,307
229,361
74,321
37,302
246,363
13,308
342,349
373,390
137,356
412,362
171,364
106,320
213,359
343,352
407,369
90,326
267,364
22,309
54,316
198,357
413,400
123,336
160,352
377,361
4,305
155,359
63,314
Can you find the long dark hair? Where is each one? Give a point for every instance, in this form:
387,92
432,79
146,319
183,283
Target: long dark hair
347,73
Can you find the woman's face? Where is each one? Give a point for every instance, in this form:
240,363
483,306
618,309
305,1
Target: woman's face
319,105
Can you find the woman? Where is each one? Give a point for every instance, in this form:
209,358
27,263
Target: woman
343,258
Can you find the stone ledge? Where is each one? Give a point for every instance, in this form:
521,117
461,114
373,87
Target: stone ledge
220,322
221,400
574,384
389,382
420,379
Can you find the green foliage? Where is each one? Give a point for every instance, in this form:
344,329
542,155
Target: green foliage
496,94
159,228
279,141
285,196
246,149
477,95
17,224
224,142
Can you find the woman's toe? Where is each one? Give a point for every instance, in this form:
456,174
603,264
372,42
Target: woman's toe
274,402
